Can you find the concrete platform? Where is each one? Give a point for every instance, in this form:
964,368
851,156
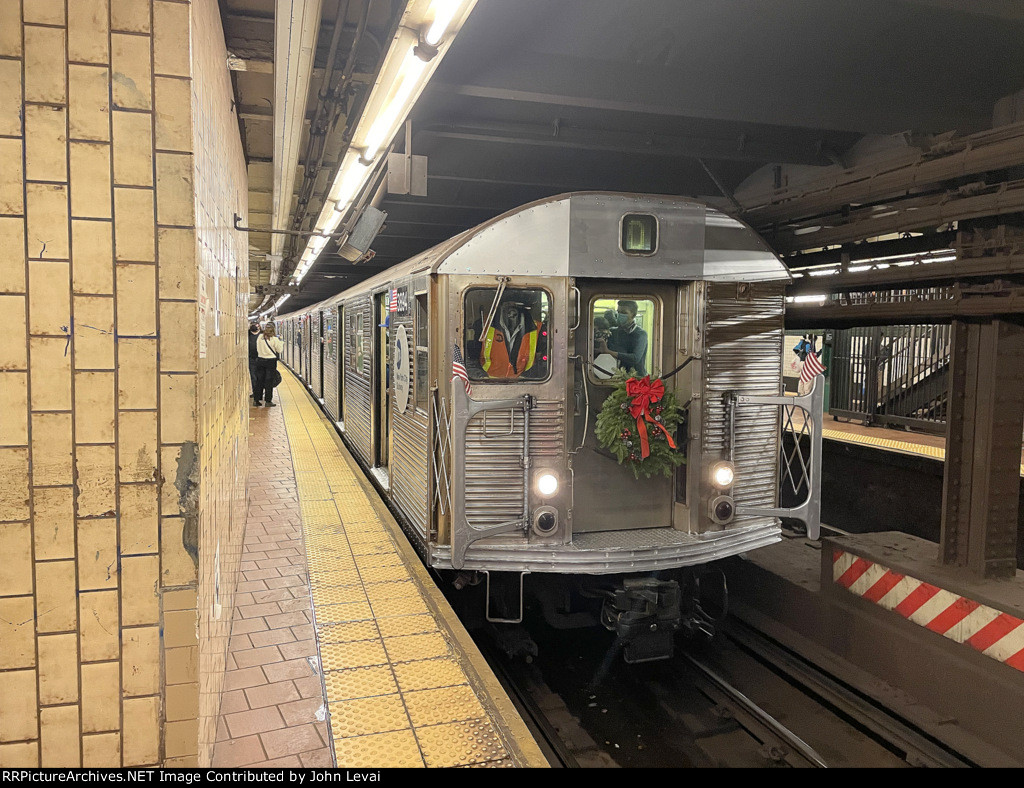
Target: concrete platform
880,613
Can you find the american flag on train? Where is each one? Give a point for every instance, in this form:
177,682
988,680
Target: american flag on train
459,369
394,300
812,367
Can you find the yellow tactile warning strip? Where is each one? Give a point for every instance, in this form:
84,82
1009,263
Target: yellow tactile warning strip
892,445
405,684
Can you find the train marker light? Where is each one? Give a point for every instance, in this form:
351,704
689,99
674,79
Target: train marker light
547,484
722,509
722,475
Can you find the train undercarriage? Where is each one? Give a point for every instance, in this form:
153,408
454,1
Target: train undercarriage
646,613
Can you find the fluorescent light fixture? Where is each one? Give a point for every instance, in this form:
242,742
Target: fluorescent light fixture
350,178
296,28
805,298
443,10
400,82
385,126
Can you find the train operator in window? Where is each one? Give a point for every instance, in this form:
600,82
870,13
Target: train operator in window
512,345
627,342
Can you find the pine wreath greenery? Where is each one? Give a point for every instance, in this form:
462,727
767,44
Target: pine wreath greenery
617,431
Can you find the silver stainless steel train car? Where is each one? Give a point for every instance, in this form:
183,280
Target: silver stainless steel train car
499,476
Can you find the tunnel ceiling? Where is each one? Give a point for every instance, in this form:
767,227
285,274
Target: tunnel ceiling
689,97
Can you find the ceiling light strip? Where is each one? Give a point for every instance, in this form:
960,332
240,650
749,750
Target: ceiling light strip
296,29
426,31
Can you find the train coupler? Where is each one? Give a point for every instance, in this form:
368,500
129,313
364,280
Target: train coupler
644,613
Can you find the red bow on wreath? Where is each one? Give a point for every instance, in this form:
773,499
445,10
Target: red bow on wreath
643,393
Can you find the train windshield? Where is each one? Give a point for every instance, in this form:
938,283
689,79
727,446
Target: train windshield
622,331
507,334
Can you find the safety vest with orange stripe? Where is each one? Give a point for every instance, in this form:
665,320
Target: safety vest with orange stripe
494,355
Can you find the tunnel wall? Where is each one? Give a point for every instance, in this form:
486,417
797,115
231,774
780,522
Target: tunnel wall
122,421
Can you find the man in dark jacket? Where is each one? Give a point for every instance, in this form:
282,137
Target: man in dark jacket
628,342
254,334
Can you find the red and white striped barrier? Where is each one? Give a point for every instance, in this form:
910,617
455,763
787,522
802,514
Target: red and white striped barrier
995,634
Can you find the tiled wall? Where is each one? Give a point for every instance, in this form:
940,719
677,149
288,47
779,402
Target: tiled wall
221,190
107,391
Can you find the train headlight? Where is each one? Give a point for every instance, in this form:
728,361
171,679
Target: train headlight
722,475
547,484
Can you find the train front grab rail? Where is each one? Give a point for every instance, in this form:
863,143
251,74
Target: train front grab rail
794,467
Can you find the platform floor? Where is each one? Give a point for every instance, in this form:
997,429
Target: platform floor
916,443
344,652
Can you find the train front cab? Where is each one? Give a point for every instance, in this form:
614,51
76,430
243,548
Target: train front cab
532,491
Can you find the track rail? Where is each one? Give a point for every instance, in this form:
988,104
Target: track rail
899,736
779,743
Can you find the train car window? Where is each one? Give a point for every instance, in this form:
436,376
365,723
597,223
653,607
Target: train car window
422,371
329,335
622,330
639,234
508,343
359,343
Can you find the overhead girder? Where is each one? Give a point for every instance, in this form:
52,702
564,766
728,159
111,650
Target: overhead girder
907,215
911,275
906,312
872,250
917,169
738,147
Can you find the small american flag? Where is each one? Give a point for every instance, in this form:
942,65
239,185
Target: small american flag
812,367
394,300
459,369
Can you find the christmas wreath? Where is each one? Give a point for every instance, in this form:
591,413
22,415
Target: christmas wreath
637,424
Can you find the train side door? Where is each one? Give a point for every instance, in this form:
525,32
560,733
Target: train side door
342,332
319,383
382,381
621,323
306,343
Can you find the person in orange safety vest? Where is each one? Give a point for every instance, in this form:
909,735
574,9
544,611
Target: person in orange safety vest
510,346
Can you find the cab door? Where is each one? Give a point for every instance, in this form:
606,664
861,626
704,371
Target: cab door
606,495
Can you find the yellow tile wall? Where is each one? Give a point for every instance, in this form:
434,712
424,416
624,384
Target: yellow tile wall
219,180
123,453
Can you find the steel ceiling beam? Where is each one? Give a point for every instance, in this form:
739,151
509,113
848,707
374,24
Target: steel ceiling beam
737,148
833,315
946,160
908,215
917,275
869,250
626,108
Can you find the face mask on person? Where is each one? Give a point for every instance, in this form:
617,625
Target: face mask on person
623,319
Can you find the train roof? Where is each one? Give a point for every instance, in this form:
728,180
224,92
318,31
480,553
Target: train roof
571,235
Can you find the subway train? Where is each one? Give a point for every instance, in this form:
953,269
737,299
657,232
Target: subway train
469,382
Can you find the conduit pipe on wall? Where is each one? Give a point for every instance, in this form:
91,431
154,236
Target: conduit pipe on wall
296,25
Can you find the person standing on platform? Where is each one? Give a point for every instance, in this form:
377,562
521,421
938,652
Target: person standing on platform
254,334
268,349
